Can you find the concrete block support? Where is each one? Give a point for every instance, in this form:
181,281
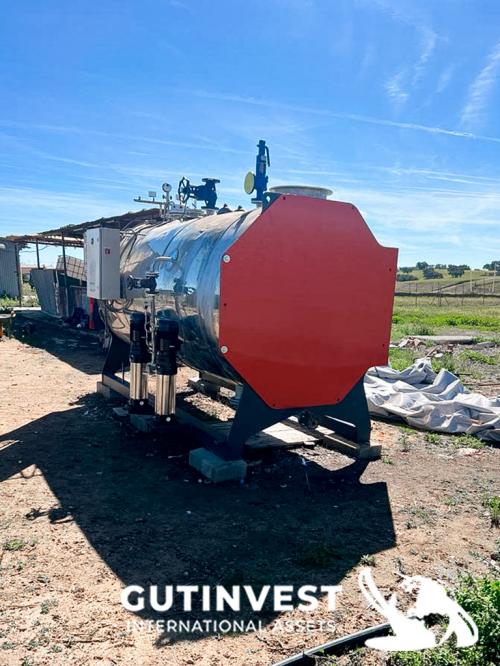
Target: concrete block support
107,392
216,469
144,422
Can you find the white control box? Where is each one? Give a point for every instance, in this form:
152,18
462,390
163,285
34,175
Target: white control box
102,256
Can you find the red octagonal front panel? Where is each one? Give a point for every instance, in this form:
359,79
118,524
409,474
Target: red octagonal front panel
306,302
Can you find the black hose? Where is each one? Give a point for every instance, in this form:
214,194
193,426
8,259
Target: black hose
332,647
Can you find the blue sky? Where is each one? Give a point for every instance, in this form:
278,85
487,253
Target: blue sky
393,104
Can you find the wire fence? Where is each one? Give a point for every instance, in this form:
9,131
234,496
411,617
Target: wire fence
485,289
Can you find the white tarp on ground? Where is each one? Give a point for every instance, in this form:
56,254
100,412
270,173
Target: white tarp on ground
428,401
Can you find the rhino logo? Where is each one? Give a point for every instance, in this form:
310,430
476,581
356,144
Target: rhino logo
410,632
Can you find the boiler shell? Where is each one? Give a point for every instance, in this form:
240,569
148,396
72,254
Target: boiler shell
188,283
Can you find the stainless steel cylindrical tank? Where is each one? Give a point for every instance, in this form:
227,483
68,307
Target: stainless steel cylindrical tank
187,256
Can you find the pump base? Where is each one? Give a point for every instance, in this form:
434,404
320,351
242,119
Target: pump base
152,423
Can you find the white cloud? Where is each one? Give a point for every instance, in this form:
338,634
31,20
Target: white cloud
395,89
42,209
399,171
445,78
427,210
238,99
481,88
368,59
429,40
68,129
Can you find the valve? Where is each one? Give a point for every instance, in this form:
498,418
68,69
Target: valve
206,192
257,182
148,283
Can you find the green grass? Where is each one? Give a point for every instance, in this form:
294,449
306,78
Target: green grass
478,357
47,605
480,597
426,515
404,442
29,298
416,329
401,358
14,544
7,302
458,441
493,506
367,560
445,361
427,317
467,442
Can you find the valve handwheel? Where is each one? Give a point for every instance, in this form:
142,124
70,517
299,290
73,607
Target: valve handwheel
183,191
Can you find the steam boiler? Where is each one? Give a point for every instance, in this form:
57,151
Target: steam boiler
290,301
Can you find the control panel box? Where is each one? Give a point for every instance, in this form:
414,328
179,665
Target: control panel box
102,256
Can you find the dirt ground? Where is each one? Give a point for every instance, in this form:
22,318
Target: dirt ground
88,506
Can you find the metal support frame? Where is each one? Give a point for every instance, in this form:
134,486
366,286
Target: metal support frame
19,274
118,350
66,286
349,418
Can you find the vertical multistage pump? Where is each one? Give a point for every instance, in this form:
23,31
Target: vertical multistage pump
139,358
166,347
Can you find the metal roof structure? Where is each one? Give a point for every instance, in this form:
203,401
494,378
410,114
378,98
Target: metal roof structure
45,240
71,235
116,222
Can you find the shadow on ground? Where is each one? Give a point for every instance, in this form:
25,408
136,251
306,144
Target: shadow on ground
152,521
81,350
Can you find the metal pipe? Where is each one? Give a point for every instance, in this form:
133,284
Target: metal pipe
352,640
66,286
152,326
19,275
138,382
165,396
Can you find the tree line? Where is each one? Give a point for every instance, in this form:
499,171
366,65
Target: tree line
434,271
